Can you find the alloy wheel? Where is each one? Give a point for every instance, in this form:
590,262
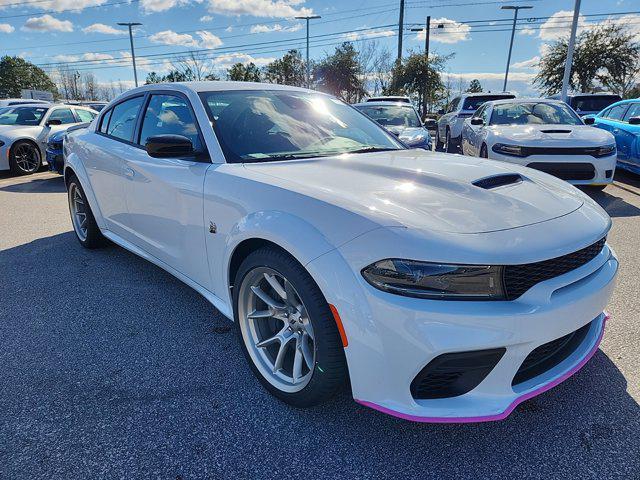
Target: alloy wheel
27,158
276,329
78,207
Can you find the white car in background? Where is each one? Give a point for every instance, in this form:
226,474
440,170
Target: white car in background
543,134
25,130
427,282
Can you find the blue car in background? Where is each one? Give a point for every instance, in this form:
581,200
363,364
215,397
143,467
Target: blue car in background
54,153
622,119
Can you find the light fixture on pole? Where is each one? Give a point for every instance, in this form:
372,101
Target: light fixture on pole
307,18
515,9
133,53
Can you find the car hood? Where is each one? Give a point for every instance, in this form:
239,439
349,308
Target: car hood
427,190
11,131
552,135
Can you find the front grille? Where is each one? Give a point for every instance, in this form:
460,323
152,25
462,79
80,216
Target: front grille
520,278
591,151
549,355
566,171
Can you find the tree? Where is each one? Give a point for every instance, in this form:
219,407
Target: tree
193,67
17,74
474,86
606,53
244,73
288,70
341,74
419,77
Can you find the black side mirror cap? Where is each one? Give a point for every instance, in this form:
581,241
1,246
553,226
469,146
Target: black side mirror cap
477,121
168,146
589,121
54,121
634,121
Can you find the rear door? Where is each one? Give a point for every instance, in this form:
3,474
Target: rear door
165,195
627,135
62,114
113,143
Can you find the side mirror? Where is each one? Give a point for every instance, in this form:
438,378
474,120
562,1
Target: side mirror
441,111
589,120
477,121
167,146
53,122
634,121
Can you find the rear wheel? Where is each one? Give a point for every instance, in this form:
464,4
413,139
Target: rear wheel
24,158
286,329
448,147
84,223
438,141
483,152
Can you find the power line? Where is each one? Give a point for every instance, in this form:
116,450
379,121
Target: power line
44,12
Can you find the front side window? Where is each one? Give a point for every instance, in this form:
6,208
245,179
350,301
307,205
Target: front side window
473,103
169,115
634,111
123,119
453,106
617,112
22,115
392,115
533,114
265,125
64,115
85,115
593,103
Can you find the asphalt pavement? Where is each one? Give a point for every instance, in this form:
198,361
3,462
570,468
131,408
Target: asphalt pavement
112,368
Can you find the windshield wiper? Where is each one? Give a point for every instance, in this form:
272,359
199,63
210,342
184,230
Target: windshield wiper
372,149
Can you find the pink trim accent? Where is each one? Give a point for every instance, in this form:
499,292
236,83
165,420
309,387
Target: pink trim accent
510,408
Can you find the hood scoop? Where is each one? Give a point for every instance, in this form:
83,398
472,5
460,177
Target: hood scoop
556,131
501,180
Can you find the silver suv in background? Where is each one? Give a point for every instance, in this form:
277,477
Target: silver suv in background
449,131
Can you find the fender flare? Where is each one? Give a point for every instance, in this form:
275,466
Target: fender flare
73,165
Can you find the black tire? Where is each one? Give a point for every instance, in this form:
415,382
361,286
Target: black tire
93,237
483,152
439,144
595,188
330,369
449,148
17,162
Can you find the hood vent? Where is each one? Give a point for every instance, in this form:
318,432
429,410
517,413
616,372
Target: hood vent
496,181
555,131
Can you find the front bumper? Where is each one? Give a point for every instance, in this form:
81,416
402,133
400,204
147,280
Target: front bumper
392,338
603,168
55,160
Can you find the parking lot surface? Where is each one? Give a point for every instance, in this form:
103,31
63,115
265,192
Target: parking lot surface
112,368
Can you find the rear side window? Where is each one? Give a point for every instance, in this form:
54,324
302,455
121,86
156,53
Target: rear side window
634,111
616,113
64,115
123,119
473,103
169,115
85,115
105,121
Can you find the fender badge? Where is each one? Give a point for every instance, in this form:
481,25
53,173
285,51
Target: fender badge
212,227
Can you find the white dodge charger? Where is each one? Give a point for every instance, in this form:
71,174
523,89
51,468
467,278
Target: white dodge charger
440,288
543,134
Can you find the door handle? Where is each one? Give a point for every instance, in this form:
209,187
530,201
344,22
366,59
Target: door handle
129,172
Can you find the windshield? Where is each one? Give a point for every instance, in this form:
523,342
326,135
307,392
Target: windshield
532,114
392,115
593,103
261,125
22,115
473,103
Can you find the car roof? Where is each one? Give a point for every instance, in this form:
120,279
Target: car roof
383,103
484,94
216,86
40,105
524,100
578,94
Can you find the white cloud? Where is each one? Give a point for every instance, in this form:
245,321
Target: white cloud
515,76
57,5
451,31
352,37
87,56
229,59
208,39
527,64
206,18
142,64
527,31
102,28
97,56
6,28
559,25
259,8
153,6
47,23
169,37
229,29
275,28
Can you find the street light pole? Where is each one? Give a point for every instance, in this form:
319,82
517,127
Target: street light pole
307,18
133,53
426,55
513,32
570,48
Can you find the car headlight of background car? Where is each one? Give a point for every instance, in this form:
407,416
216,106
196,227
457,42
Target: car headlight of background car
504,149
436,280
417,139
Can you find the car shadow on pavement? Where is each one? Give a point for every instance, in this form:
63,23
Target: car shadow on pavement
109,364
614,206
36,184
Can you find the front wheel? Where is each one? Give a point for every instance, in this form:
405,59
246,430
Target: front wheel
483,152
438,142
84,224
448,147
24,158
286,329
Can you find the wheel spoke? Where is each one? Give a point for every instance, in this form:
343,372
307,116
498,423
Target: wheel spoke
266,298
284,346
306,352
273,281
291,295
260,314
297,362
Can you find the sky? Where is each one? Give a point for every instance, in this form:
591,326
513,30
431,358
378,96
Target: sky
85,35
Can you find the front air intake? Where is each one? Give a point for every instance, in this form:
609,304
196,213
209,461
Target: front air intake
496,181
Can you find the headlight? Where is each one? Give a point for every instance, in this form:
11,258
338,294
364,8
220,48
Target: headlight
413,139
435,280
605,151
513,150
